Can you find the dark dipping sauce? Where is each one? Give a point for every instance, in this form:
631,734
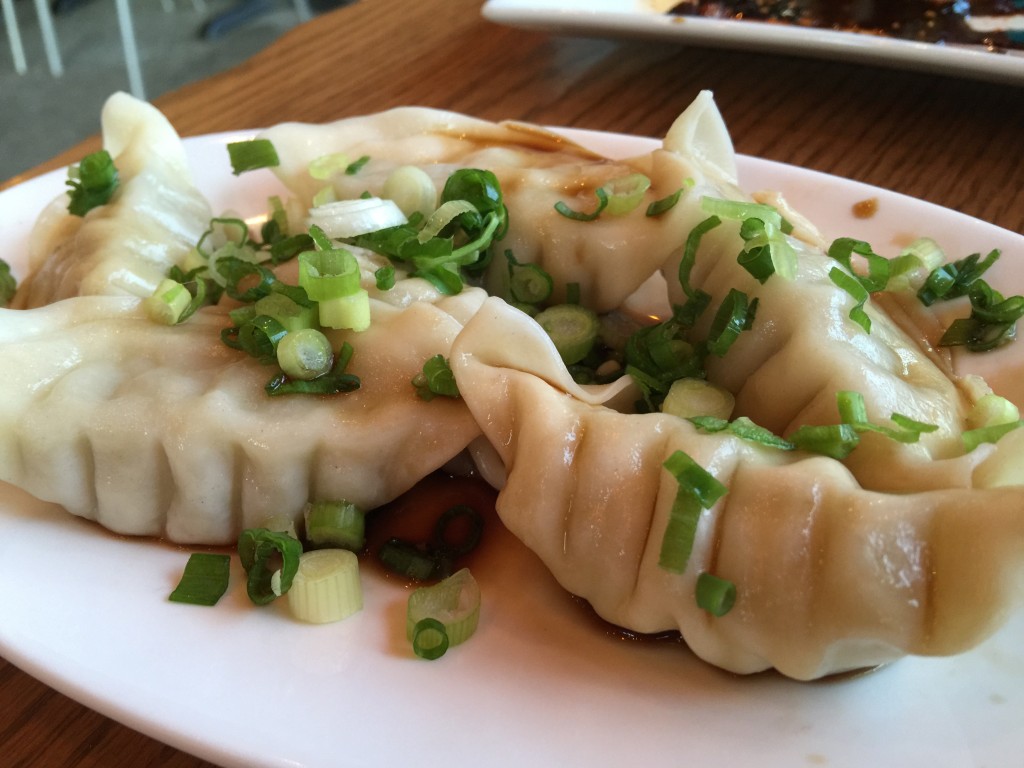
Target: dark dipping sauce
919,20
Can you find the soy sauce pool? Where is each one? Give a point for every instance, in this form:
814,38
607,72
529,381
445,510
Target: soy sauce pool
919,20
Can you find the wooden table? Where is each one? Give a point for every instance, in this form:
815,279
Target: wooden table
954,142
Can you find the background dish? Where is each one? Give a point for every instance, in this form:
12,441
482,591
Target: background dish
643,18
543,683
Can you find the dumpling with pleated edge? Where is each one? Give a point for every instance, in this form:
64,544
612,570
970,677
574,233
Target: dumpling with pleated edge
123,247
829,576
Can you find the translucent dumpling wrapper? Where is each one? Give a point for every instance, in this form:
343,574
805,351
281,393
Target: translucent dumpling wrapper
608,258
829,576
124,247
165,431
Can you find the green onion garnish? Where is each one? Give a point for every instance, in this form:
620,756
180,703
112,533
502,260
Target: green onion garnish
953,280
385,278
836,441
992,322
340,524
429,639
305,354
972,438
715,595
744,429
626,194
735,315
354,167
8,285
573,328
260,549
204,581
93,182
435,379
253,154
665,204
857,291
454,604
334,382
448,544
326,586
528,283
698,490
409,560
569,213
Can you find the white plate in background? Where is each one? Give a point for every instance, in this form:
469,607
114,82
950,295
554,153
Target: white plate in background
541,684
644,19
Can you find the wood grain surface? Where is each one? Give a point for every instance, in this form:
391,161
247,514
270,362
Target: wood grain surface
957,143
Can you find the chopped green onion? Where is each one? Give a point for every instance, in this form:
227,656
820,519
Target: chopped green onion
168,303
910,269
244,280
429,639
698,490
528,283
259,338
352,218
569,213
992,322
953,280
339,524
412,190
744,429
690,397
408,560
258,549
251,155
735,315
326,586
385,278
204,581
453,602
573,329
715,595
442,217
92,182
665,204
357,165
305,354
292,315
435,379
442,540
766,249
626,194
326,166
857,291
8,285
332,383
991,434
836,441
992,410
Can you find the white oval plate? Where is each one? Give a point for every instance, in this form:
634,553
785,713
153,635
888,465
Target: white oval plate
645,19
541,684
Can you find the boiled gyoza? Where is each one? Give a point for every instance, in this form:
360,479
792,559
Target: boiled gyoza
829,576
165,431
122,248
609,258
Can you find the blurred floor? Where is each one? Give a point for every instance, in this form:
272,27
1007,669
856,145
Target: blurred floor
41,115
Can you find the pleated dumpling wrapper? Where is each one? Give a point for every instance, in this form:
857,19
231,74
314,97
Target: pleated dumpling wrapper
829,577
164,430
124,247
608,259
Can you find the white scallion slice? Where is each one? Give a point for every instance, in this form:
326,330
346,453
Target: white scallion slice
349,218
454,602
412,189
689,398
625,194
168,302
991,410
326,588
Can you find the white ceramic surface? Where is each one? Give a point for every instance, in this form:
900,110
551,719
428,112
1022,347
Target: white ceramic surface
645,19
542,684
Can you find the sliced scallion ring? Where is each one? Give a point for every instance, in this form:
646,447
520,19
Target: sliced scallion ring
453,602
326,586
305,354
350,218
626,194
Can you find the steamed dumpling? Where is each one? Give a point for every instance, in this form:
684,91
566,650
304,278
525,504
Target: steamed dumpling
829,576
608,258
125,247
165,431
